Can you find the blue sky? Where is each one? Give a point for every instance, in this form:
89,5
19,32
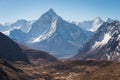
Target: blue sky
73,10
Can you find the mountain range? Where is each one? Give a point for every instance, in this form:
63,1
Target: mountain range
50,33
91,25
104,44
89,49
58,37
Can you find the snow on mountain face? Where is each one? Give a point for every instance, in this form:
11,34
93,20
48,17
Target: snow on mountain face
104,44
100,44
54,35
113,46
43,24
66,40
50,32
96,24
91,25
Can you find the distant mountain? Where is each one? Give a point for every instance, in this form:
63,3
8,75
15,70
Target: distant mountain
54,35
21,24
18,35
104,44
5,29
10,50
44,24
109,20
91,25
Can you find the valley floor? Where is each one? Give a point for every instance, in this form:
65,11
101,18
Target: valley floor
74,70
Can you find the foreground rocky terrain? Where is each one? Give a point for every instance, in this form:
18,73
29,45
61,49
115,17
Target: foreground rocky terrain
74,70
10,72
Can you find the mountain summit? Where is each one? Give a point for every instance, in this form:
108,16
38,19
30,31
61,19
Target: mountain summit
91,25
43,24
51,12
54,35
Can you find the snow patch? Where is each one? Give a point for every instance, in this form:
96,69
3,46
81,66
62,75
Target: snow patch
95,26
99,44
108,57
6,32
47,35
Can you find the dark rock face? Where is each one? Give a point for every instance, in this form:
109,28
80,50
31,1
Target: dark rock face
10,50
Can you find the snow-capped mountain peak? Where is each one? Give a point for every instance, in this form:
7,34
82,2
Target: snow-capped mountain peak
21,21
43,25
97,19
50,14
91,25
109,20
48,34
97,22
22,24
